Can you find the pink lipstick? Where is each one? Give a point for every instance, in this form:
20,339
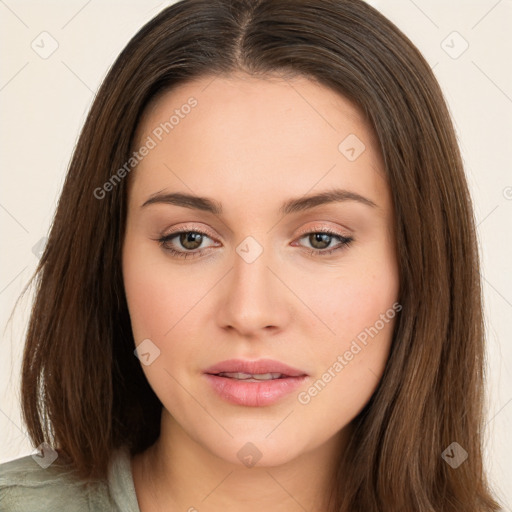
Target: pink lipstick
254,383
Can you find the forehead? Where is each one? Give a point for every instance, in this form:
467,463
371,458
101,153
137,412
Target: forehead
255,132
255,105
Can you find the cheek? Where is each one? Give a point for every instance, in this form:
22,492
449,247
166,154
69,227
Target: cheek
157,296
350,367
158,302
146,297
361,308
362,316
354,298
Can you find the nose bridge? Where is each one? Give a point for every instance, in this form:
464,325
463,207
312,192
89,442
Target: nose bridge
252,298
251,266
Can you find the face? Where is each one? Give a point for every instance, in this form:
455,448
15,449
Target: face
260,269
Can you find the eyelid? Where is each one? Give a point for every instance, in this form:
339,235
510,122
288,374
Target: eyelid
189,227
324,229
304,231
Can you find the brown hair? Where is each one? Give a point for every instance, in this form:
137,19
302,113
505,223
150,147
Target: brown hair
83,389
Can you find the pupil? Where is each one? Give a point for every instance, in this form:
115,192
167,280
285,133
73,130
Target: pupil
323,238
191,240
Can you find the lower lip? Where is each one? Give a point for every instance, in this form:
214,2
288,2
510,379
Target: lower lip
254,394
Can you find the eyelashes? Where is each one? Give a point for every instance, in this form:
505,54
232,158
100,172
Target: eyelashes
319,236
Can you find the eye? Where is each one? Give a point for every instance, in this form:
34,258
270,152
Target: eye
320,241
188,240
188,243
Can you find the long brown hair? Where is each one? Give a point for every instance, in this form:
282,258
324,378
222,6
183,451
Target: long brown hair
84,392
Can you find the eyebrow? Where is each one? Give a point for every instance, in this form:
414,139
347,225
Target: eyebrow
291,206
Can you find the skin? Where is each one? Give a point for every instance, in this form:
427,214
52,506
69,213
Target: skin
251,144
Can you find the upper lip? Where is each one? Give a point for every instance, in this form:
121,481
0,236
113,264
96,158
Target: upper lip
260,366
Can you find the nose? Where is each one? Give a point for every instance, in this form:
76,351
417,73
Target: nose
253,299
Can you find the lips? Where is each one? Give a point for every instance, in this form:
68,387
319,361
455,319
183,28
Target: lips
254,383
259,367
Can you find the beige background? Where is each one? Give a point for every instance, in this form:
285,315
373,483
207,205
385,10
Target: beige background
44,102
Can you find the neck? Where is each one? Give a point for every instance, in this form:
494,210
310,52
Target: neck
177,473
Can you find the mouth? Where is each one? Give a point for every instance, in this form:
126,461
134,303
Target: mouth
262,369
249,377
254,383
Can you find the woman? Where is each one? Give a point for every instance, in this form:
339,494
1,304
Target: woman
267,206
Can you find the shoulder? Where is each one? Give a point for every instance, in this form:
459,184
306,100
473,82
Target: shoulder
27,486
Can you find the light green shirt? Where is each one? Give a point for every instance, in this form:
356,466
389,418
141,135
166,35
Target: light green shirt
26,487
